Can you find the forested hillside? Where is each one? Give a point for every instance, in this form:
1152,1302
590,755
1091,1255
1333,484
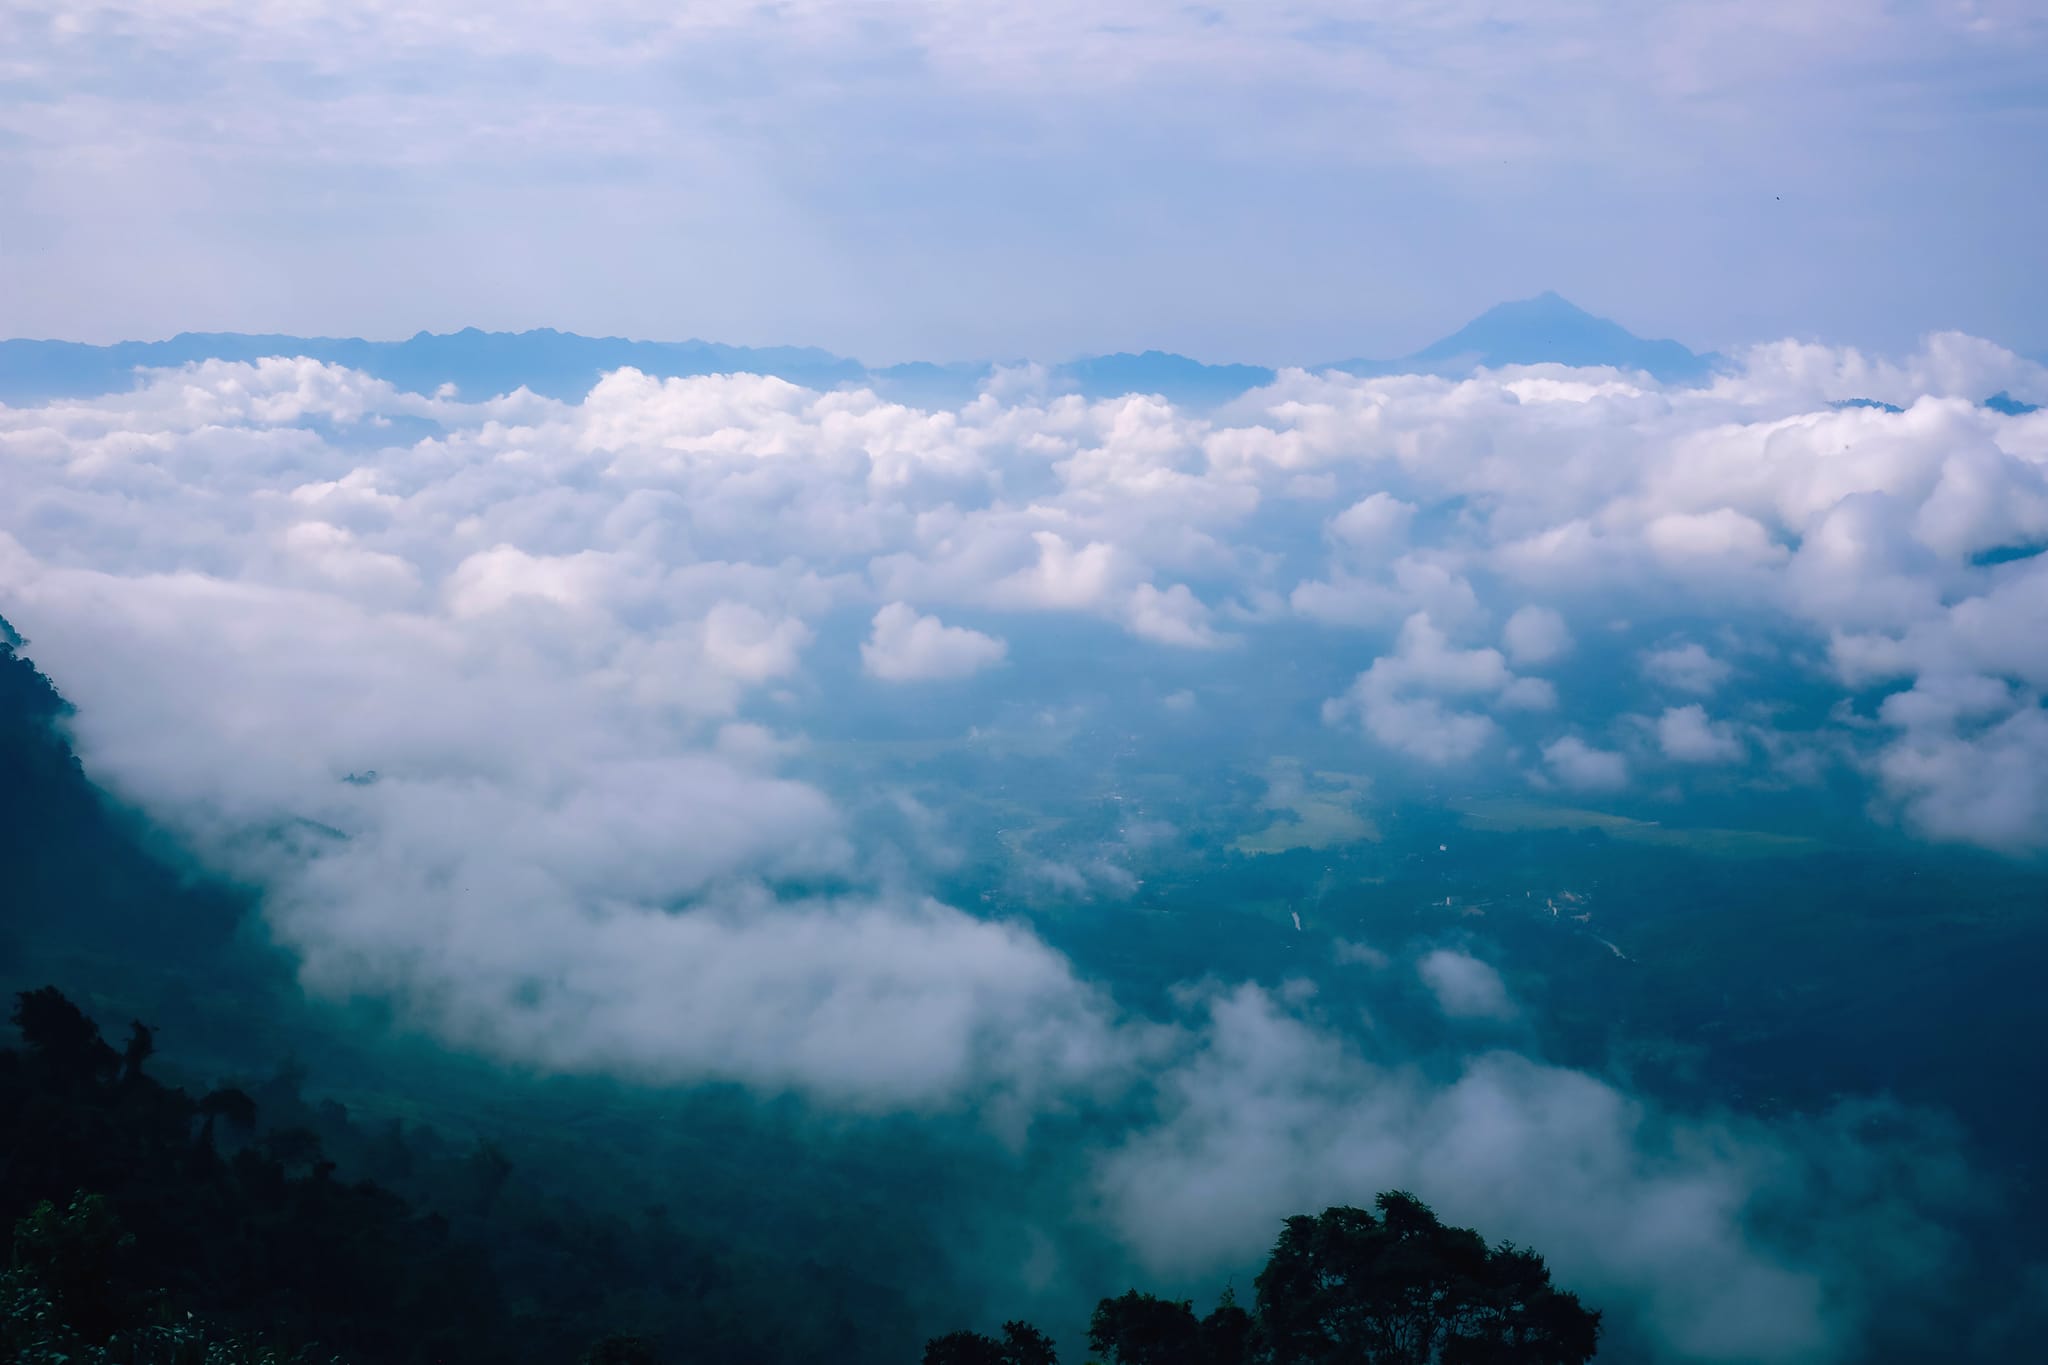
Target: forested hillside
193,1231
248,1196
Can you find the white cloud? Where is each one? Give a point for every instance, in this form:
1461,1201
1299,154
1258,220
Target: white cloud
1375,525
685,540
1398,699
1354,953
1686,735
1173,617
1686,668
1465,987
749,643
1422,726
504,575
1723,541
1529,694
1424,658
1061,577
904,646
575,641
1270,1115
1582,767
1535,636
1979,784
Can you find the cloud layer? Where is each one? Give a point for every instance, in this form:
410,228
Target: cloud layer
511,707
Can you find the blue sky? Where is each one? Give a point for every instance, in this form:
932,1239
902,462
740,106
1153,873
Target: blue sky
1282,182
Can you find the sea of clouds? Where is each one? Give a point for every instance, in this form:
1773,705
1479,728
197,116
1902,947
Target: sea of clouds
500,701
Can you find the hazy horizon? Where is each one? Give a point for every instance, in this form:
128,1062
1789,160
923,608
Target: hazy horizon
919,181
1416,336
685,337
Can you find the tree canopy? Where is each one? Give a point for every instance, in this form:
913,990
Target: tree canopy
1020,1344
1405,1288
147,1227
1349,1286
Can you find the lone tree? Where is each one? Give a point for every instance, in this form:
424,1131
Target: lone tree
1404,1289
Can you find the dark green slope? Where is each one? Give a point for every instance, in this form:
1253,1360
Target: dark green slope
392,1203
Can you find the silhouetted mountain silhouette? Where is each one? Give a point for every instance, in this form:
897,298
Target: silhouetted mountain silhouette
565,365
1546,329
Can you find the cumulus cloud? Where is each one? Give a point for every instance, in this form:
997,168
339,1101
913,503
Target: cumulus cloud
1399,702
748,643
685,539
1582,767
904,646
1535,636
1982,784
1352,596
1270,1114
1686,668
1378,523
1686,735
613,576
1173,617
1465,987
584,647
1061,575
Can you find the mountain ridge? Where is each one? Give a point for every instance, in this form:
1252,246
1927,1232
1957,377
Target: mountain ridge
557,364
1546,329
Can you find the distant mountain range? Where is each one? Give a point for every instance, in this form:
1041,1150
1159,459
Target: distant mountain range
565,365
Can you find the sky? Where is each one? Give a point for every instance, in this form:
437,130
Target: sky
1276,182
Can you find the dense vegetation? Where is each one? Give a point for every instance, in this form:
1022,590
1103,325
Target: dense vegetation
153,1226
134,1203
454,1215
1345,1287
